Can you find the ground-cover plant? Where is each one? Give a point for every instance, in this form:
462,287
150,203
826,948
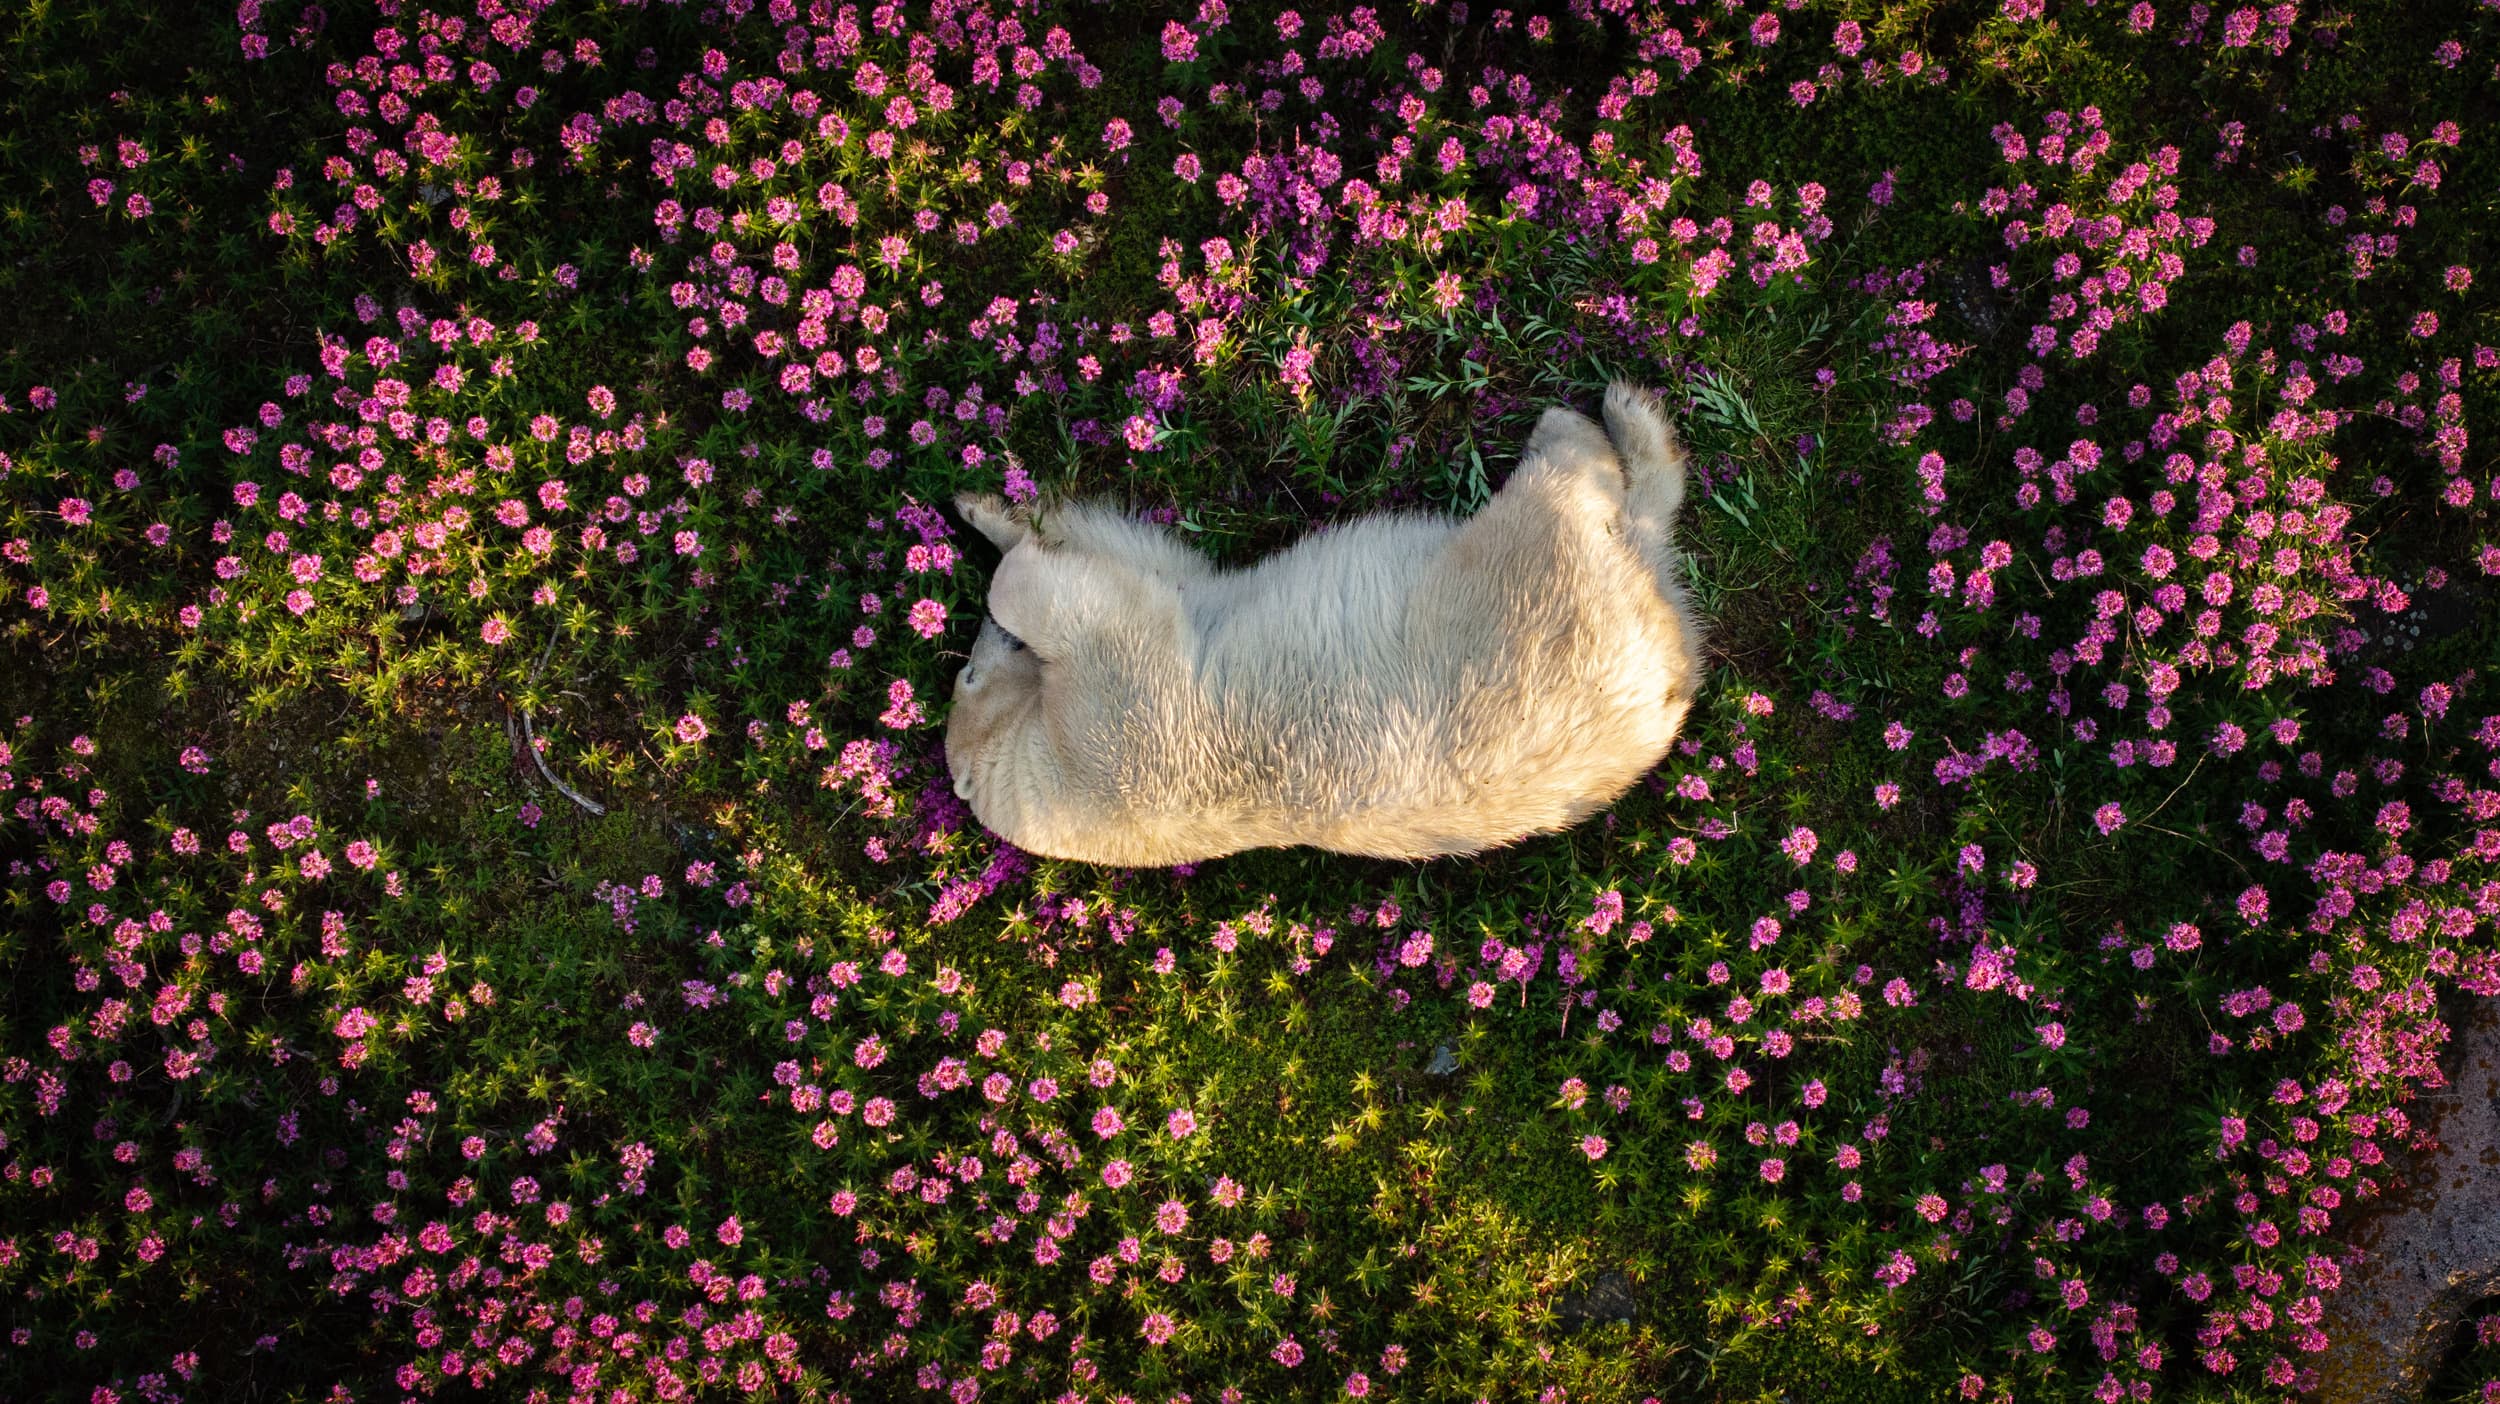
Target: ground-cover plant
486,907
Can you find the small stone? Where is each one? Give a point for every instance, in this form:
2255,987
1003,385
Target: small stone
1444,1061
1607,1300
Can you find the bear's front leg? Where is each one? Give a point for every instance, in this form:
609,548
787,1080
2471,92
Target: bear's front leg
989,515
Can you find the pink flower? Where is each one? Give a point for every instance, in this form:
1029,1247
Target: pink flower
691,728
1593,1146
1107,1123
1181,1124
1799,846
902,709
731,1233
2253,906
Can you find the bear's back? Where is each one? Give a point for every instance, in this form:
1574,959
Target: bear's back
1405,693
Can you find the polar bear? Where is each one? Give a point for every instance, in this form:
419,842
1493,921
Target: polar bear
1403,686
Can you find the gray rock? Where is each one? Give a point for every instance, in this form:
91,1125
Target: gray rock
2432,1248
1608,1300
2430,616
1444,1061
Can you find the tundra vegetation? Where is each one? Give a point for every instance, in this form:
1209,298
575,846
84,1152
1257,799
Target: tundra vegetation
486,910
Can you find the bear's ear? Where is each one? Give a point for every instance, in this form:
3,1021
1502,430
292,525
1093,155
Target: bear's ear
1055,599
1030,596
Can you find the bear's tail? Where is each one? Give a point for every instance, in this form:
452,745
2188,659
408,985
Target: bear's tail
1653,468
1653,456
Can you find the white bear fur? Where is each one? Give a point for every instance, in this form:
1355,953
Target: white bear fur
1404,686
